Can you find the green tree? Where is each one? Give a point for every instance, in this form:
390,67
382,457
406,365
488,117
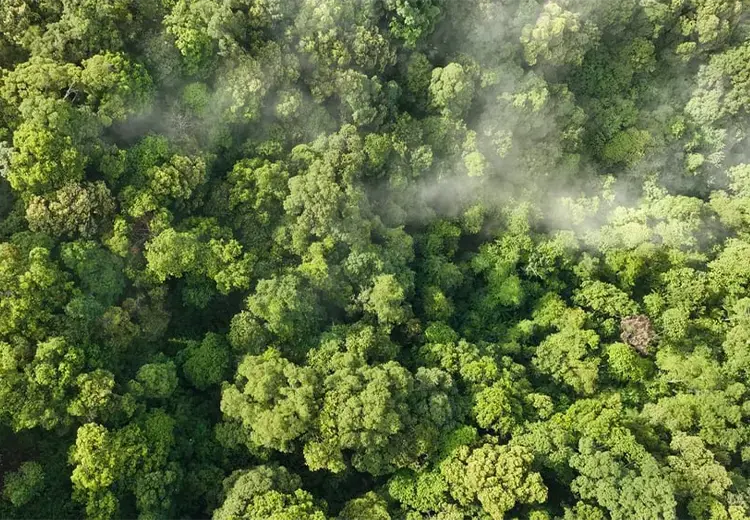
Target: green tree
35,290
386,416
206,363
86,27
156,380
43,160
37,392
96,398
368,507
268,492
413,21
567,357
288,307
498,477
558,37
24,484
110,465
386,300
115,87
273,400
75,209
722,87
205,250
451,89
99,272
639,491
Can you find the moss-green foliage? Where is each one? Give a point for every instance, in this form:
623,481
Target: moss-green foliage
375,259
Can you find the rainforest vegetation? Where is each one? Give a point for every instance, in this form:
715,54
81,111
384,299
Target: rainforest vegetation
375,259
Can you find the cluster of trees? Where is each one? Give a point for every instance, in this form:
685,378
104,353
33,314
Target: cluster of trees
375,259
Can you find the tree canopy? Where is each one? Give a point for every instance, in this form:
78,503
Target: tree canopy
375,259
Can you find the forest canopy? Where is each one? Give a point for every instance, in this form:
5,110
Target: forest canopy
375,259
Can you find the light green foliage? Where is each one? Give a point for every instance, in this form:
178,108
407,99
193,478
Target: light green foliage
150,151
367,507
109,464
321,199
604,299
195,96
336,35
722,86
418,75
177,179
625,364
37,392
341,344
381,414
695,371
171,253
287,306
257,189
86,27
424,491
35,290
244,85
36,77
266,492
568,356
413,20
717,417
710,21
685,288
497,262
583,511
204,250
729,271
732,205
174,181
497,408
360,98
734,346
559,36
627,147
696,474
247,334
497,477
641,491
451,89
386,300
188,23
96,398
497,383
273,400
259,184
115,86
43,159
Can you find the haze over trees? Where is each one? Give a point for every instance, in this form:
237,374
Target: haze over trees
375,259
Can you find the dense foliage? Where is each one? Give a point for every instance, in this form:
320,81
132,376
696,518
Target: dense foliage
375,259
